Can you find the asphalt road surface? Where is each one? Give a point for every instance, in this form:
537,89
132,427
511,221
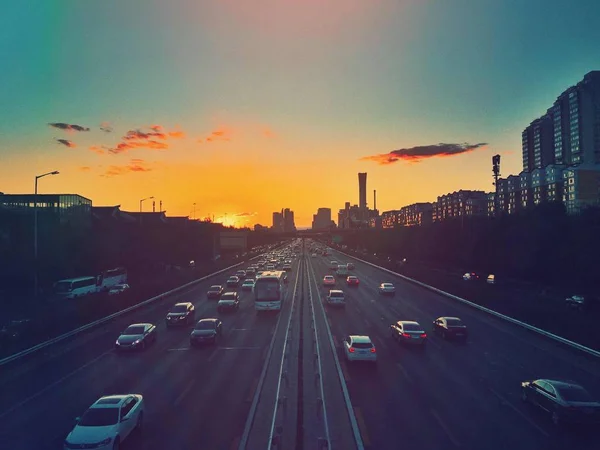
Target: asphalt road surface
281,378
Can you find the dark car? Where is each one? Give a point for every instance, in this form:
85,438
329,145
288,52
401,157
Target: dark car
233,281
215,291
350,266
241,274
450,328
136,337
181,314
565,401
408,332
229,301
206,331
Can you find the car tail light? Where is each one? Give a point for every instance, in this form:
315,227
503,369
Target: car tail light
405,335
351,349
373,350
423,335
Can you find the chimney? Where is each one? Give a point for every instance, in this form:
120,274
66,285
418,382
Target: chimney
153,206
374,200
160,207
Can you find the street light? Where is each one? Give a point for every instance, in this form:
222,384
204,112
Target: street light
35,229
194,214
142,200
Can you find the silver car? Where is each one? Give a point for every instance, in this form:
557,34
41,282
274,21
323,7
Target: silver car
359,348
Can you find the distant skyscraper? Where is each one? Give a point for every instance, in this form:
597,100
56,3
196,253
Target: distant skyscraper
277,222
322,219
288,221
362,190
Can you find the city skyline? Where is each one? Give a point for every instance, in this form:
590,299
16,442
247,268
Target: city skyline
125,113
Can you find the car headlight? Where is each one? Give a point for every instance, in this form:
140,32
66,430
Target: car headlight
136,342
117,342
106,441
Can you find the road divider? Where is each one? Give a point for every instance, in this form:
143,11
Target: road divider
525,325
110,317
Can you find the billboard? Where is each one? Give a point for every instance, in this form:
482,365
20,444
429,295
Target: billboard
233,240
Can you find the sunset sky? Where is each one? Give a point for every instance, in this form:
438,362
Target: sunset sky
248,106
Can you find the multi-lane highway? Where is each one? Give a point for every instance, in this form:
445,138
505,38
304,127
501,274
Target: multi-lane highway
281,378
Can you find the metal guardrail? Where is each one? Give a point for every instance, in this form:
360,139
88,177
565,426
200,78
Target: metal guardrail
90,325
545,333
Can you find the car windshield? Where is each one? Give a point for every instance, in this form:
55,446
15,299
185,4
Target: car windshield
411,327
233,278
336,294
179,309
215,288
454,322
352,278
135,329
574,394
99,417
362,345
228,296
387,285
205,325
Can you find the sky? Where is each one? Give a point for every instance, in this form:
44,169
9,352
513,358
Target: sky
234,109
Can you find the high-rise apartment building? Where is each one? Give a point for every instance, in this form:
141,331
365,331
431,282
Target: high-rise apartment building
288,221
362,191
322,219
277,222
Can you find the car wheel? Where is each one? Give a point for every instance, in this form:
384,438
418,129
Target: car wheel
117,443
524,396
556,418
140,421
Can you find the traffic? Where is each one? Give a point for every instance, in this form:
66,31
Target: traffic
395,362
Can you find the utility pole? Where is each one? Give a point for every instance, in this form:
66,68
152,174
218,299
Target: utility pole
496,172
35,229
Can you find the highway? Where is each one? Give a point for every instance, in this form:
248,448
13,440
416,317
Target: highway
277,376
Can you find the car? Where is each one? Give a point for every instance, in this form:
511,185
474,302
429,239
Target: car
333,265
450,328
229,301
341,271
408,332
328,280
248,284
335,297
565,401
287,267
136,337
233,281
241,274
181,314
491,279
359,348
470,276
206,331
314,255
387,289
352,280
107,422
215,291
350,266
250,272
118,289
270,267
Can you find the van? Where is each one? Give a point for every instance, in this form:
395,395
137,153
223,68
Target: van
342,270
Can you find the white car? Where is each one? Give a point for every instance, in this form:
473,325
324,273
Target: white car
387,289
118,289
314,255
359,348
107,423
336,297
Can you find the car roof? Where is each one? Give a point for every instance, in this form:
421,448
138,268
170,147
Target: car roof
328,276
183,304
110,401
451,318
352,276
216,286
208,319
336,291
361,339
408,322
230,293
140,325
562,383
387,284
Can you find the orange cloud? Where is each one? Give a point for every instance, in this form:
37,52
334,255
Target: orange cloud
135,165
98,150
176,134
419,153
123,147
85,168
153,139
221,134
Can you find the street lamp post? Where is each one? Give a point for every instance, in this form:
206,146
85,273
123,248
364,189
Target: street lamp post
194,213
35,230
142,200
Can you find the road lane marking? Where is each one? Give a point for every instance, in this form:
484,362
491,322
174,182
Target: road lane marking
404,372
362,425
520,413
184,393
56,383
445,427
252,390
241,329
182,349
240,348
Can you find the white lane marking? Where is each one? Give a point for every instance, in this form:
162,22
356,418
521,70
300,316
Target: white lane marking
52,385
241,329
404,372
182,349
350,409
319,365
240,348
520,413
184,393
445,427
